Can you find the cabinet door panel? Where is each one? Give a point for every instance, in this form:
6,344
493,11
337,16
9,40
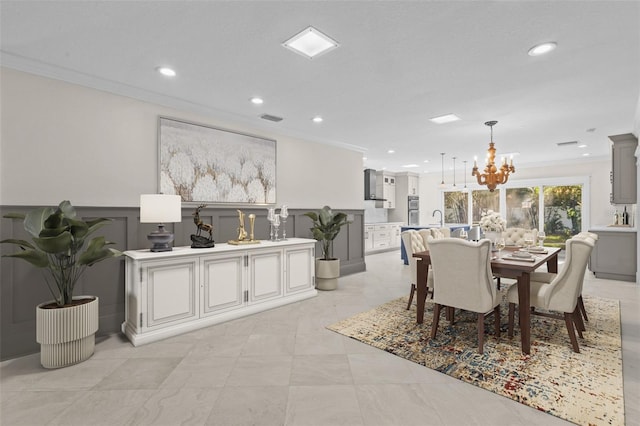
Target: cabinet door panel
171,291
266,275
222,280
299,270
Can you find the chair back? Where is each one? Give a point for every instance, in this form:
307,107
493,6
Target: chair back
563,291
515,236
413,243
462,274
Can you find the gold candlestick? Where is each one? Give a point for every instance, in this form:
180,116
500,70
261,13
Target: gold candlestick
252,221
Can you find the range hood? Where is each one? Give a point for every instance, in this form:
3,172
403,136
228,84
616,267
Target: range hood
370,185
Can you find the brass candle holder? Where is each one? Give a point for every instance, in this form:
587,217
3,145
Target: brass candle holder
242,233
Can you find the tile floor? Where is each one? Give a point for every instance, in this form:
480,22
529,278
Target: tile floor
281,367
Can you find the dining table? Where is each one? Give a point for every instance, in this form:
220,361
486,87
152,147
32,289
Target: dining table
505,266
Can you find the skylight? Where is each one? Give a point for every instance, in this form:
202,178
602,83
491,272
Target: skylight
310,43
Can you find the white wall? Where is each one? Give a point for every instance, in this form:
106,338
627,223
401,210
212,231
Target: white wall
597,170
64,141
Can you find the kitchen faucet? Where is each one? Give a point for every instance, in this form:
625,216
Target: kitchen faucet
441,219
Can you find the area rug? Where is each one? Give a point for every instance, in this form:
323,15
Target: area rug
585,388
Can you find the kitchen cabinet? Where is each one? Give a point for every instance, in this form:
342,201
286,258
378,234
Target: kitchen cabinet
386,188
623,169
382,237
413,185
614,255
368,237
173,292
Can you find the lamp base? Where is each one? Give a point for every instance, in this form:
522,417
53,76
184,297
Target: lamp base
160,239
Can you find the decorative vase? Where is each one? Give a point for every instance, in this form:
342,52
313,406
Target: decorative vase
327,273
66,335
493,236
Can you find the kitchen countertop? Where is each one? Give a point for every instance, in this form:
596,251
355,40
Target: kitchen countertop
606,228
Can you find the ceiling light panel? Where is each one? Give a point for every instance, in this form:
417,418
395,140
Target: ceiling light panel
542,48
167,72
310,43
447,118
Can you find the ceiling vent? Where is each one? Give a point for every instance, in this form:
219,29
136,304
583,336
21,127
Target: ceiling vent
567,143
271,118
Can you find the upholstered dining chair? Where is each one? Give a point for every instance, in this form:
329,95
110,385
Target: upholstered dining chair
462,279
561,294
414,243
547,277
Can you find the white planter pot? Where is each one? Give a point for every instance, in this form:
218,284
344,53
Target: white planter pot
66,335
493,236
327,273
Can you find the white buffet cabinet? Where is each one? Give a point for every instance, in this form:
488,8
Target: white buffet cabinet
170,293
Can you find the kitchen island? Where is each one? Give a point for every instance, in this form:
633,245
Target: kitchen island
614,256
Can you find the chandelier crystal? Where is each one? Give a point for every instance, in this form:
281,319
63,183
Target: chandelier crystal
492,176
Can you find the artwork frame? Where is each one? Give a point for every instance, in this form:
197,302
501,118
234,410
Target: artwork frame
206,164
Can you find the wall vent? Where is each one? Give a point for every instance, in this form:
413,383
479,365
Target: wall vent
567,143
271,118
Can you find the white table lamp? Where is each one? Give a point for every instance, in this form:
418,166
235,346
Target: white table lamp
161,209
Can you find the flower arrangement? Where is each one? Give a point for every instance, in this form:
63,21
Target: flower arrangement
492,222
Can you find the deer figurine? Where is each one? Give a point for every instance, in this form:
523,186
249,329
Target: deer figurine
202,226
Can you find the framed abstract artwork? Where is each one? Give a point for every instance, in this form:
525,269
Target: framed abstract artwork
205,164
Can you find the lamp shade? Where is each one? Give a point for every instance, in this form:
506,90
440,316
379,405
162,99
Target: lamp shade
160,208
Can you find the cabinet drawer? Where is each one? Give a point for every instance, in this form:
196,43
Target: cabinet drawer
380,244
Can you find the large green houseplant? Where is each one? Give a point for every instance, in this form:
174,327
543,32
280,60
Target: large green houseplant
326,227
60,246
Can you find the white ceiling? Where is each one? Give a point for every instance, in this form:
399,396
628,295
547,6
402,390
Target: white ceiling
399,64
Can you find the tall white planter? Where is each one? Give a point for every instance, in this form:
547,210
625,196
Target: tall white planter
327,273
66,335
493,236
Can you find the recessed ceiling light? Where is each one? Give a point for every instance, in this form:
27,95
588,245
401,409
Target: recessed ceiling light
542,48
167,72
257,101
310,43
447,118
586,154
410,165
317,119
425,161
391,151
582,146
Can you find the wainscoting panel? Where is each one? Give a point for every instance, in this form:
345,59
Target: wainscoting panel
22,286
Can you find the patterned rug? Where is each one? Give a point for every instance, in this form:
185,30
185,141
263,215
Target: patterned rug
584,388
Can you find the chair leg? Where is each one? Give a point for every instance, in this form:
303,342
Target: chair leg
512,310
577,320
582,310
496,319
498,282
436,319
413,290
572,334
481,333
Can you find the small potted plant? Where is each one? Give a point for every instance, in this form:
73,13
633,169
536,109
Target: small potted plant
65,326
326,227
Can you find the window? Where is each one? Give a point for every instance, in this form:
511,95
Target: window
456,207
562,212
522,207
484,200
551,204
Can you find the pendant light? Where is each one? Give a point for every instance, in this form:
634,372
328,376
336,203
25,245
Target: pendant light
442,184
465,189
454,172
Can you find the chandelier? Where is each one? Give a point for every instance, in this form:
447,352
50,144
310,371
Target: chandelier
492,177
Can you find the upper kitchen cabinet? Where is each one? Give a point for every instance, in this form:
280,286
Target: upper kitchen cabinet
623,169
386,188
413,183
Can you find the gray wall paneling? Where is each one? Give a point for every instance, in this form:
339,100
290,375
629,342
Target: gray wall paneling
22,286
